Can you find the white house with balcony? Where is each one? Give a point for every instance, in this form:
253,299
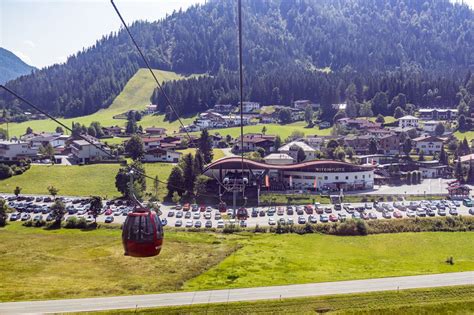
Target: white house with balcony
408,121
16,150
428,144
293,147
85,152
161,155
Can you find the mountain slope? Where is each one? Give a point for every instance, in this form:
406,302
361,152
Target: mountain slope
11,67
346,36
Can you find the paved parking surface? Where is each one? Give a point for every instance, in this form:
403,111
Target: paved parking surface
264,216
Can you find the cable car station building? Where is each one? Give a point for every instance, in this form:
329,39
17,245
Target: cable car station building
318,175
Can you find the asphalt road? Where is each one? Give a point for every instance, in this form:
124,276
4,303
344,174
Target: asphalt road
238,295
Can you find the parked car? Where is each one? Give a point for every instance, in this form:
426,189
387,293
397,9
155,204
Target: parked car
179,214
217,216
355,215
289,210
442,212
109,219
386,215
197,224
453,211
323,218
187,215
373,216
301,220
207,216
332,217
189,223
178,223
411,213
261,213
397,214
290,221
196,215
271,221
431,212
364,216
164,222
313,219
170,213
308,209
25,217
208,224
220,224
342,217
368,206
243,223
471,211
15,216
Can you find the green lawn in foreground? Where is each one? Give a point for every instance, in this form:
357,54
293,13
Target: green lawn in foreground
287,259
447,300
37,264
135,96
274,129
86,180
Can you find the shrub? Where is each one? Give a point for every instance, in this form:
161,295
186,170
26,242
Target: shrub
231,228
39,223
28,223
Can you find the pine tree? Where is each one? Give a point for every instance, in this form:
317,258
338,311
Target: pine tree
443,156
205,146
175,181
189,176
373,146
458,171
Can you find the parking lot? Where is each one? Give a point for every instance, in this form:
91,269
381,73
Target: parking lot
204,216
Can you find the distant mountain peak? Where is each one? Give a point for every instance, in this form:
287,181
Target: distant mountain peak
11,66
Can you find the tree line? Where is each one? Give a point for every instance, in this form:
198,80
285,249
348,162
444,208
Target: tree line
341,37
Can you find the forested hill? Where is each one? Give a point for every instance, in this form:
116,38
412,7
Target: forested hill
343,36
11,66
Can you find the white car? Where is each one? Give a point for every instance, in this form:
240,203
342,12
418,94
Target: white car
89,219
196,215
220,224
271,221
189,223
411,213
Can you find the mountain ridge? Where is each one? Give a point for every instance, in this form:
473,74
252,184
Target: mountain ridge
11,66
356,37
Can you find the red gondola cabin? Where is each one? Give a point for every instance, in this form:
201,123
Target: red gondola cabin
142,233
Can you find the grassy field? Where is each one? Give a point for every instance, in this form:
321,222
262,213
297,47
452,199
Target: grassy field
274,129
87,180
469,135
279,260
447,300
36,264
218,153
135,96
39,264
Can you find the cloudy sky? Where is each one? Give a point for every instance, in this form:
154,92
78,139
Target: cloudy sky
44,32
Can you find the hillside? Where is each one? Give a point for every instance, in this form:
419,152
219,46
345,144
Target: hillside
134,96
11,66
347,38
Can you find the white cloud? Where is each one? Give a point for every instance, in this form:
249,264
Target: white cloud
29,43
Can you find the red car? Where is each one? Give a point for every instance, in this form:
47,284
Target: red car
332,217
308,209
397,214
202,208
186,207
364,216
108,212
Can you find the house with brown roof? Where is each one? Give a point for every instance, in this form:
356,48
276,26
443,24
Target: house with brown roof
428,144
155,131
252,141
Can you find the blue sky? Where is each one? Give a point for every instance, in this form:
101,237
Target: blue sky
44,32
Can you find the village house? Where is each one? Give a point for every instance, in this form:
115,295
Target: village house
359,124
430,126
429,145
248,107
155,131
113,131
314,141
37,141
388,143
84,152
224,108
408,121
151,142
438,114
252,141
16,150
360,144
161,155
268,118
302,104
293,147
150,109
278,159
